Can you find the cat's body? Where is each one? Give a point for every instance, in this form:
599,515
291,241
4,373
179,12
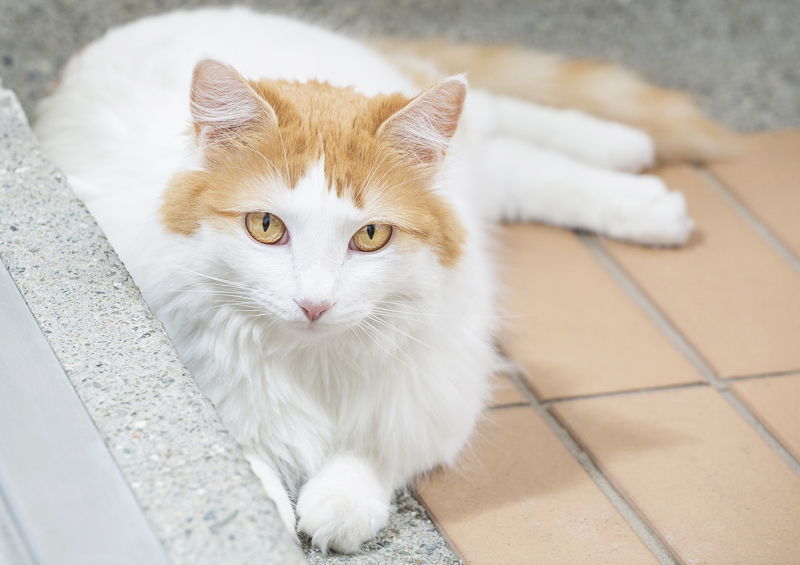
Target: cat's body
389,380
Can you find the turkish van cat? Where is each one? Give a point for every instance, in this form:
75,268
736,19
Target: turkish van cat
308,216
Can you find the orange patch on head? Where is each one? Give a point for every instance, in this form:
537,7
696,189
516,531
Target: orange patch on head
277,130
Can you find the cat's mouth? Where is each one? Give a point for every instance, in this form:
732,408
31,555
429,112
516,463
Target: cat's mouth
330,325
317,327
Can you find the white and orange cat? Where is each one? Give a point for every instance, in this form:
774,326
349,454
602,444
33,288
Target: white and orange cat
314,236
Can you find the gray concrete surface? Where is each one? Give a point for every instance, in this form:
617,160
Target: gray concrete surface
185,470
740,57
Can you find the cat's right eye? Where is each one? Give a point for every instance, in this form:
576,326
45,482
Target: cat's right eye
267,228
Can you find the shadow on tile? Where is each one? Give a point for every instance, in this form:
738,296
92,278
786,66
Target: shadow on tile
514,458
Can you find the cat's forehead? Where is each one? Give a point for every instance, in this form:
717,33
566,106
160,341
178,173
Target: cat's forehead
318,122
309,199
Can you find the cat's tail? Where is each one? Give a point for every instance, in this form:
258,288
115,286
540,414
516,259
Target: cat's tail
682,132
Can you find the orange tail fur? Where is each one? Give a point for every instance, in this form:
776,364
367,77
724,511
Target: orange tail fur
682,132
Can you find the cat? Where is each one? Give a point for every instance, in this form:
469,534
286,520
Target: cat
316,237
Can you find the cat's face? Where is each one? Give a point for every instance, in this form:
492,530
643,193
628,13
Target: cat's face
313,261
315,207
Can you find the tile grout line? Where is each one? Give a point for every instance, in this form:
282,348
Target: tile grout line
638,296
632,392
776,374
657,546
517,404
727,381
686,348
748,216
448,541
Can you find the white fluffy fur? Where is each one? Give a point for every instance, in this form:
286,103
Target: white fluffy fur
390,381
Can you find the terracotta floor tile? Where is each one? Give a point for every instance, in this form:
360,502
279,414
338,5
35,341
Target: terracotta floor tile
765,178
776,402
700,475
572,330
734,297
504,392
521,498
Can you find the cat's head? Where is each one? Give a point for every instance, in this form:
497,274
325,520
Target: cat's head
316,207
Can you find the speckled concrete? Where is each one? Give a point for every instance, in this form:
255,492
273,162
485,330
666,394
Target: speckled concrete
186,471
740,57
409,539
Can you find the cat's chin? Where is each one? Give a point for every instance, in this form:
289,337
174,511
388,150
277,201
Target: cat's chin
316,329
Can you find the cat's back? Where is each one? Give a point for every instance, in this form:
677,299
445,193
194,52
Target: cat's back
163,49
116,119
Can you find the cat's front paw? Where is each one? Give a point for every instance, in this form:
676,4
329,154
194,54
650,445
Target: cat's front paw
343,506
659,219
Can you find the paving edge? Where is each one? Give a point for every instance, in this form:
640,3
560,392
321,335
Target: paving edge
186,471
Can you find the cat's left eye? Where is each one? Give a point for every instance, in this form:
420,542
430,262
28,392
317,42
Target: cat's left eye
371,237
266,228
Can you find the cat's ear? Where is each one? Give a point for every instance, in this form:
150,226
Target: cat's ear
225,106
424,127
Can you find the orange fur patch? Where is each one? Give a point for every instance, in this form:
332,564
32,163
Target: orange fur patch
681,131
317,121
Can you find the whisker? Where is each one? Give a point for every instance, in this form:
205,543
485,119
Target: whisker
378,345
218,279
396,329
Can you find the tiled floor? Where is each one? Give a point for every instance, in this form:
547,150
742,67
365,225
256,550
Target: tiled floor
655,412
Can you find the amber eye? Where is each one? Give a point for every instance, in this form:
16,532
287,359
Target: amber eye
371,237
265,227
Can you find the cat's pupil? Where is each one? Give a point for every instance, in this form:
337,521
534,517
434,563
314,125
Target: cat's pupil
265,221
370,231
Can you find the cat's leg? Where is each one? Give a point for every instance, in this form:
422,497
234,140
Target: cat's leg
272,483
524,182
344,504
594,141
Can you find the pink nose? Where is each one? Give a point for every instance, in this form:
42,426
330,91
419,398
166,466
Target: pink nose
313,310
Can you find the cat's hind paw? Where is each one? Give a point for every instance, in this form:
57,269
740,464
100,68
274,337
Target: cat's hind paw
342,507
623,149
611,146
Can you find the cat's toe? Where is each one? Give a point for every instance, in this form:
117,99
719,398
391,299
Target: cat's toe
662,220
340,517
